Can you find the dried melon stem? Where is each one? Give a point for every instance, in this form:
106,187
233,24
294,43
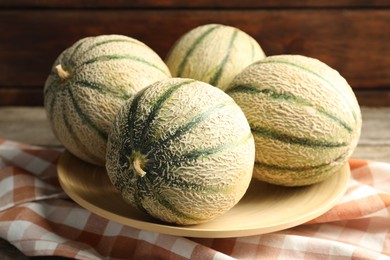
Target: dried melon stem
137,161
137,167
63,74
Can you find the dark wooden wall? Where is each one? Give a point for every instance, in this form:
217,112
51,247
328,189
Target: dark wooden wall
352,36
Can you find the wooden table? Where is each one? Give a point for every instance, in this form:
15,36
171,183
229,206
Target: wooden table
29,125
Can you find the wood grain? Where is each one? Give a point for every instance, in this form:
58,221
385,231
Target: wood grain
355,42
373,97
30,125
194,4
338,38
351,36
21,95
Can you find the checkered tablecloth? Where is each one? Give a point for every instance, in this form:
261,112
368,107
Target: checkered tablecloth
38,218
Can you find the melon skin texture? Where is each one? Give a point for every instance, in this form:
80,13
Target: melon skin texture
88,83
304,116
213,53
182,151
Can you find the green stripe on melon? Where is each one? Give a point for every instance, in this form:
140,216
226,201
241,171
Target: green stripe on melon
71,134
322,74
221,67
190,124
191,49
213,53
288,97
130,58
156,107
119,93
100,43
84,117
91,80
181,150
304,117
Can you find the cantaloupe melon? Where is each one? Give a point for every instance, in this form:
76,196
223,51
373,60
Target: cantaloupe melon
213,53
182,151
88,83
303,114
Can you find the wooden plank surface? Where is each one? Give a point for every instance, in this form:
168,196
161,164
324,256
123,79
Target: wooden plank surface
30,125
353,41
194,4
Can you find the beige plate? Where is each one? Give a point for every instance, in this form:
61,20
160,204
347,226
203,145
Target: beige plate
264,208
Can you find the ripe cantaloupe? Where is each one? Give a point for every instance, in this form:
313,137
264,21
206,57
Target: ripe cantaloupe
88,83
213,53
181,150
303,114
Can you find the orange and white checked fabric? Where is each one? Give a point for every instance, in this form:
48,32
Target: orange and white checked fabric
39,219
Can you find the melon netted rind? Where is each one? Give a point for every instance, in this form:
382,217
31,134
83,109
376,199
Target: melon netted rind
304,116
213,53
88,83
182,151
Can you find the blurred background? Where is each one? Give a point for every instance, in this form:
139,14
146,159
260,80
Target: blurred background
352,36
